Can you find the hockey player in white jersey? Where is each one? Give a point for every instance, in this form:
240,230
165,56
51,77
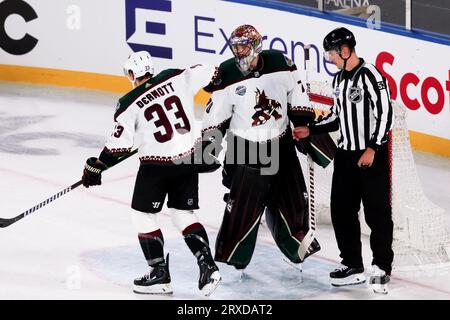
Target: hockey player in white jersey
258,94
159,112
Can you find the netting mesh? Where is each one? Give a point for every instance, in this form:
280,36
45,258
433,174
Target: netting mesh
421,238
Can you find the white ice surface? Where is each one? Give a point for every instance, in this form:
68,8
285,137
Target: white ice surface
83,245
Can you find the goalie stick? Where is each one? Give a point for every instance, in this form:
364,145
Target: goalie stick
309,237
5,222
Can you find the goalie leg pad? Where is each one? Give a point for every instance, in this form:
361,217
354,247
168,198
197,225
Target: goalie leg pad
285,240
290,196
237,235
287,215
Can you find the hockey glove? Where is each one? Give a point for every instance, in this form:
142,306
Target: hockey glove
92,173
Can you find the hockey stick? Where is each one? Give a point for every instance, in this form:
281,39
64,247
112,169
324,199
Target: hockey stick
309,237
6,222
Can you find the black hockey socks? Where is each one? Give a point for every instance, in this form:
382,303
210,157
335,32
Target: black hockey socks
152,245
196,239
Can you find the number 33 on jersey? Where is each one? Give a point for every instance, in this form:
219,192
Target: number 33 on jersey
159,116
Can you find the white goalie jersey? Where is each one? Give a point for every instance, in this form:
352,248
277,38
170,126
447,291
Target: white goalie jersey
258,106
158,116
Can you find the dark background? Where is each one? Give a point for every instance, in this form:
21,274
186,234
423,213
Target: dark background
428,15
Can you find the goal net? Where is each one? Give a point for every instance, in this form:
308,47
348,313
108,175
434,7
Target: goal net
421,239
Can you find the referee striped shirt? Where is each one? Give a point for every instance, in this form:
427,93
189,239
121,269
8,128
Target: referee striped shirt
362,108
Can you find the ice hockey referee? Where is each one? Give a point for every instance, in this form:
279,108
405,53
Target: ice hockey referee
363,113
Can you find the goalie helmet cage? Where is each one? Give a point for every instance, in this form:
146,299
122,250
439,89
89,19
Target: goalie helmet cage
421,239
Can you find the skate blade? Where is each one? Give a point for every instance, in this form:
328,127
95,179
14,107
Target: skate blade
296,266
349,281
155,289
210,287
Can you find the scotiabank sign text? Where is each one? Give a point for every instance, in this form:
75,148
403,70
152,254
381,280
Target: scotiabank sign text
410,79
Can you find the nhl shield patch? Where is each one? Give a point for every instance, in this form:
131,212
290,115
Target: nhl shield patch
354,94
241,90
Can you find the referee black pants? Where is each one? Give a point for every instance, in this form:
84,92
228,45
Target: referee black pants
350,186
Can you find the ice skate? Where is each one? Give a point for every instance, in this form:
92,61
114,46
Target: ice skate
156,281
209,274
379,280
345,276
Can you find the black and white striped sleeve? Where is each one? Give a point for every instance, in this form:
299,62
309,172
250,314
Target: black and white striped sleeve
381,107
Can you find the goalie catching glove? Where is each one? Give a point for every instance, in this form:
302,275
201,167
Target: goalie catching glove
92,173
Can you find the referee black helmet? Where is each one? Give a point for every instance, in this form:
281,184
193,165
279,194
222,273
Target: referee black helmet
338,37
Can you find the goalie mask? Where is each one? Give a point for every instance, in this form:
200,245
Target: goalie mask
246,44
139,63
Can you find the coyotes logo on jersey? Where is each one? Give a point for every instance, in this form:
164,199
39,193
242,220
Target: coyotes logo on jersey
265,109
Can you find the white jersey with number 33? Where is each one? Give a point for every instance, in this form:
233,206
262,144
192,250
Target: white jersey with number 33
158,116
